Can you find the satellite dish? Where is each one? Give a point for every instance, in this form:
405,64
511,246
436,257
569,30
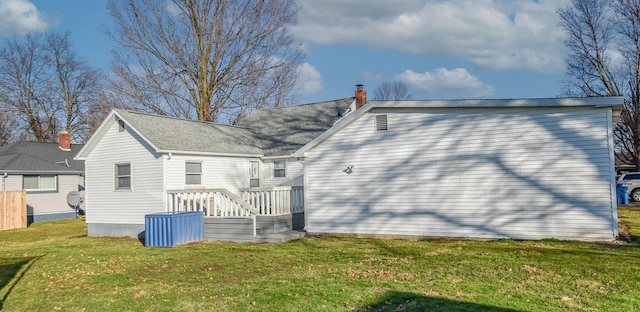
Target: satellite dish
74,199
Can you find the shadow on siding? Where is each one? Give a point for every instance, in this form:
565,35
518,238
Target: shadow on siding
580,152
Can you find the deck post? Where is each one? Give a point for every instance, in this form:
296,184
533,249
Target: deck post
253,216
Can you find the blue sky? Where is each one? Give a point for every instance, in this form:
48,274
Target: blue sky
438,48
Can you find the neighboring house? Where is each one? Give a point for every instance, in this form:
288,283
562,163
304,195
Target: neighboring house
137,164
456,168
47,171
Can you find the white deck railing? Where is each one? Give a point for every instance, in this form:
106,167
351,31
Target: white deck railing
212,202
276,200
253,201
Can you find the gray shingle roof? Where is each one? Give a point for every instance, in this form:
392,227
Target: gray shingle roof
173,134
34,157
269,132
282,131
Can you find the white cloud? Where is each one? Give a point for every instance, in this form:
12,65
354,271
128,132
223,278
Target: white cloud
19,17
494,34
371,76
309,80
441,82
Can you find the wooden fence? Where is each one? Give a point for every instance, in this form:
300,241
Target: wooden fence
13,210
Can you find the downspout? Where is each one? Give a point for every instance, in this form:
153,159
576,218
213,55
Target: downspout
612,170
4,176
165,169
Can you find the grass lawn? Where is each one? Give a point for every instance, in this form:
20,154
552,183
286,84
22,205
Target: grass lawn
53,266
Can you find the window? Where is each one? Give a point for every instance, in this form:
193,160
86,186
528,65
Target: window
279,168
39,183
254,174
381,123
193,172
123,176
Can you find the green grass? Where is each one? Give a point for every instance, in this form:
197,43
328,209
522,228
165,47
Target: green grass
53,266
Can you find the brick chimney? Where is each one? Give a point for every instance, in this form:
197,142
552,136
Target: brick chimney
65,141
361,96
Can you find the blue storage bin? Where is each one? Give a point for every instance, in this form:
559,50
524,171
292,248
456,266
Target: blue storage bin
173,229
622,193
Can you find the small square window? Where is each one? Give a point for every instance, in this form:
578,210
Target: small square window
279,168
193,173
123,176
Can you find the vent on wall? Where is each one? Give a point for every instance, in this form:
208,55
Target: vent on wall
381,123
120,125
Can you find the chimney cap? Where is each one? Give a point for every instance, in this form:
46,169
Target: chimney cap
359,85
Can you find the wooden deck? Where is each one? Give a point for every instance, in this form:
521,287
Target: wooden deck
272,229
257,215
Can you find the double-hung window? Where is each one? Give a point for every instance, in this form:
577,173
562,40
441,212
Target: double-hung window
193,173
279,169
123,176
39,182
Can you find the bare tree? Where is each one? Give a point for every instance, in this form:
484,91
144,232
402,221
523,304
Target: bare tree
25,88
604,60
6,128
76,86
212,60
45,86
396,91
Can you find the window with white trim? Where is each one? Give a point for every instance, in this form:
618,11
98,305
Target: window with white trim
279,169
39,183
123,176
193,173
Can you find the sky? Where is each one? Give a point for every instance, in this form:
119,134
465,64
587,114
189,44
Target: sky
440,49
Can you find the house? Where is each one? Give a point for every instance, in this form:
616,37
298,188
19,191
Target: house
139,164
524,169
47,171
454,168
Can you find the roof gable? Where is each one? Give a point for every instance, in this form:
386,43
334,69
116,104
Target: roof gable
616,103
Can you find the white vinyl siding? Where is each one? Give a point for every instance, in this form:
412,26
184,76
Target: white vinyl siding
294,174
217,172
44,203
487,172
104,204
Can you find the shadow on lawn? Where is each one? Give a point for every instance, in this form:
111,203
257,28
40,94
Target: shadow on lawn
403,301
11,271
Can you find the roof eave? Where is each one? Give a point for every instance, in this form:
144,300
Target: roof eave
181,152
58,172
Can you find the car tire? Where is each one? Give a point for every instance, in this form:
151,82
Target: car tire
635,195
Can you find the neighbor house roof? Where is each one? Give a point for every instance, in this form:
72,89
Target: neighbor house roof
269,132
39,158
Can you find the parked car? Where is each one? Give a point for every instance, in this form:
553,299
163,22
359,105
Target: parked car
631,180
